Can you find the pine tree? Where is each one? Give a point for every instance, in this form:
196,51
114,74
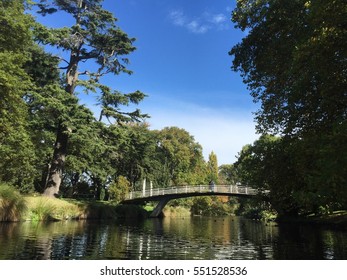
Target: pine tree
212,167
95,37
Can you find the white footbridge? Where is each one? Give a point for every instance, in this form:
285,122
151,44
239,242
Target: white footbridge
164,195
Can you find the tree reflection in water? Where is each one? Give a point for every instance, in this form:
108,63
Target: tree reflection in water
169,238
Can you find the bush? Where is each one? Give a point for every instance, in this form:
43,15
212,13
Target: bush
208,206
119,189
12,204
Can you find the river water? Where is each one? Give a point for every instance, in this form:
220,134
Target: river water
170,238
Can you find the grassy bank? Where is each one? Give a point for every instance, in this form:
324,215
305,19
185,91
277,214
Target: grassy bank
52,209
15,207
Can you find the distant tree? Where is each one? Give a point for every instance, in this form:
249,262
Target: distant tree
212,167
227,174
137,153
180,156
95,37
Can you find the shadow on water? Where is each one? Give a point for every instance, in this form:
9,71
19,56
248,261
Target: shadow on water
169,238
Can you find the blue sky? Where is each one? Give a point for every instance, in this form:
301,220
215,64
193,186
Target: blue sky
182,64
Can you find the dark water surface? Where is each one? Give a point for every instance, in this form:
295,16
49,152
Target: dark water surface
170,238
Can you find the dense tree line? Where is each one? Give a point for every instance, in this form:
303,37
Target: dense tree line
49,141
294,61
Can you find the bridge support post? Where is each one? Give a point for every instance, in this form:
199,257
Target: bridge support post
144,188
159,208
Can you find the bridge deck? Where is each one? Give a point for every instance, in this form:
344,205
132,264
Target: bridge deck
188,191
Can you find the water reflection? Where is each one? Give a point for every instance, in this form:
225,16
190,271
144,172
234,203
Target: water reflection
169,238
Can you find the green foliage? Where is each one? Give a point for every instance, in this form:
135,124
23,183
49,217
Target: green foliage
16,148
268,164
180,157
256,209
227,174
300,175
212,167
137,153
12,204
208,206
15,27
119,189
294,62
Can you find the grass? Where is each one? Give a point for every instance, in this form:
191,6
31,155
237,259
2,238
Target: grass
12,204
45,209
15,207
53,209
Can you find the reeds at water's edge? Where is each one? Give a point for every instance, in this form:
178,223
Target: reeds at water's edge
12,205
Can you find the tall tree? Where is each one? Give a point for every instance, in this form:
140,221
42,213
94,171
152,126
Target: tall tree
212,167
95,37
294,61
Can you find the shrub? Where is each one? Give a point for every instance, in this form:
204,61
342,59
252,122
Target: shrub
119,189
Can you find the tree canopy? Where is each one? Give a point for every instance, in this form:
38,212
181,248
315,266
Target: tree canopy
293,60
16,149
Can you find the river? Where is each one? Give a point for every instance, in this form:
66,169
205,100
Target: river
204,238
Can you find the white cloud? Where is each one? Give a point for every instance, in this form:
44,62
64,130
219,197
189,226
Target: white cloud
218,18
200,24
196,27
177,18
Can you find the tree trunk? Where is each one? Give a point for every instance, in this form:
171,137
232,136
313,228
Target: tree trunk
57,164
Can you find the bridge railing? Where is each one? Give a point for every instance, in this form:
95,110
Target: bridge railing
222,189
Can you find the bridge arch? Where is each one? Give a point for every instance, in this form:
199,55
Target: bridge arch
164,195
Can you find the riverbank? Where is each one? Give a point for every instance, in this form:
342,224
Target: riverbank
15,207
53,209
337,219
